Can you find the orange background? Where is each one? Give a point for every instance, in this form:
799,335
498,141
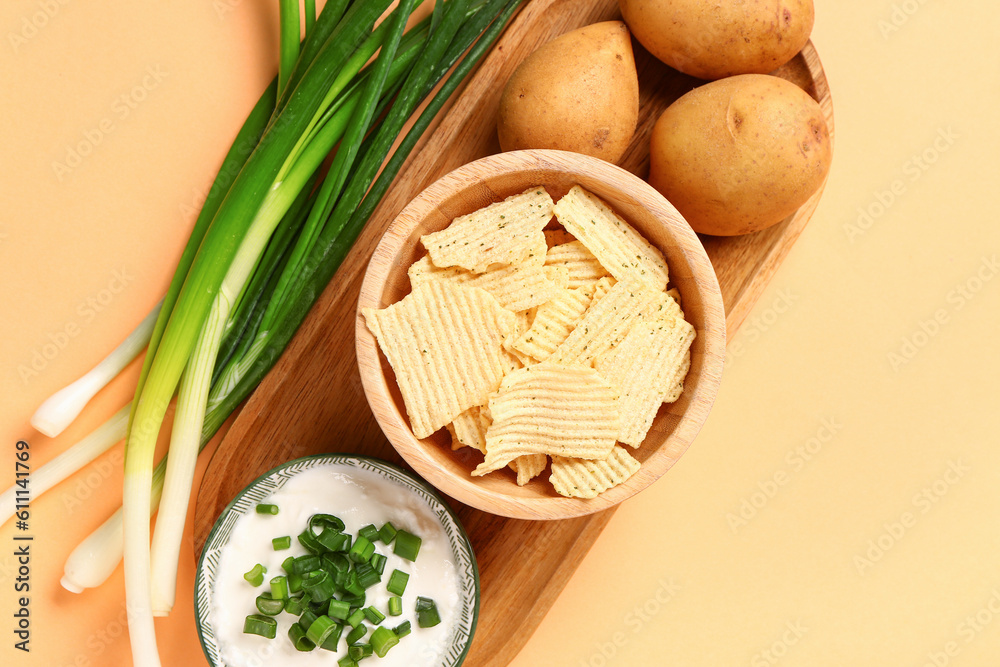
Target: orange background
679,576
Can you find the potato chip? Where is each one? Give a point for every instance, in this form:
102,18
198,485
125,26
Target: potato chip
522,286
554,237
615,243
423,270
582,478
468,430
528,467
661,307
677,381
675,295
550,409
604,324
517,287
445,344
507,232
603,286
643,368
584,269
554,321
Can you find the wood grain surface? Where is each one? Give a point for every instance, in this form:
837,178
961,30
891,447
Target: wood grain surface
312,401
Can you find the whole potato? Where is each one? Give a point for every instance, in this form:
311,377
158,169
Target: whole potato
740,154
712,40
579,92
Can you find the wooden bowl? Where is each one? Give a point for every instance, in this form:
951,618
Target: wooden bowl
491,179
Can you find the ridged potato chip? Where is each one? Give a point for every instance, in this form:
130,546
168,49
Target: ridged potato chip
507,232
468,430
615,243
604,324
528,467
677,381
603,286
582,478
554,321
517,287
554,237
643,367
551,409
584,269
445,344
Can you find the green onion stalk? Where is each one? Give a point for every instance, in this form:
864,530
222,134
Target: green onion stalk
270,236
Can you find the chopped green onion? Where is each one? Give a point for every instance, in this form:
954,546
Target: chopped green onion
318,586
362,550
407,545
351,585
359,652
334,540
397,582
256,575
354,600
299,639
279,587
367,576
339,609
378,562
355,619
369,532
294,583
382,640
395,606
308,540
281,543
295,606
267,509
357,634
286,564
330,643
257,624
320,629
306,618
306,564
373,615
402,629
267,605
387,533
326,521
346,662
427,613
336,563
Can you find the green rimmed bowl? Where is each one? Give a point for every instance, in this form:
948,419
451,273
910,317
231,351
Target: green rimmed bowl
245,502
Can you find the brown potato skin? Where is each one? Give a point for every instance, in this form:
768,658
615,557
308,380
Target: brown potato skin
741,154
579,93
712,40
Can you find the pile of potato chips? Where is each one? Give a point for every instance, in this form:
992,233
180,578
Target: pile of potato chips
528,341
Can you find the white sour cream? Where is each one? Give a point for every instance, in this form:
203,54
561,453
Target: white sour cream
359,497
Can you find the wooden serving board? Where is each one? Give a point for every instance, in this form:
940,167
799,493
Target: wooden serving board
312,401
